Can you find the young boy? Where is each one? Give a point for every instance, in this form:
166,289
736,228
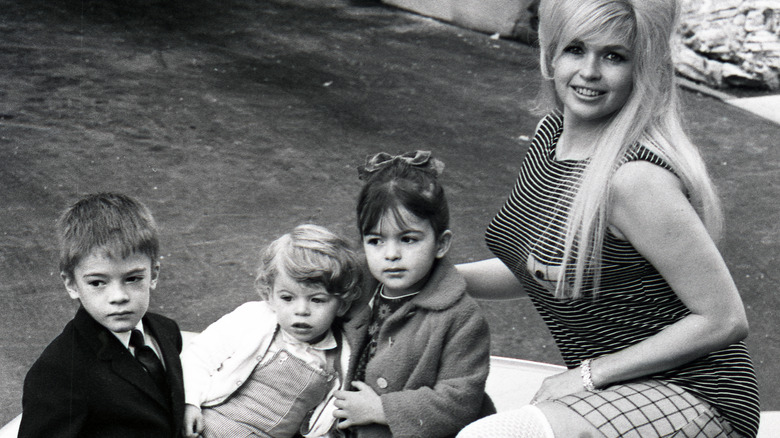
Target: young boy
270,367
115,370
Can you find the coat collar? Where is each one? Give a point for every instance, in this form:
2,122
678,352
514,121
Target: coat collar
444,288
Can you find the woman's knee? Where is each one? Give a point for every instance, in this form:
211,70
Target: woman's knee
567,423
526,422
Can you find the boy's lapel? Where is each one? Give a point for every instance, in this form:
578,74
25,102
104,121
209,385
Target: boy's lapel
108,349
127,367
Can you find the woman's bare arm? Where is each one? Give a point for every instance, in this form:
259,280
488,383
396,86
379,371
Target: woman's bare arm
490,279
651,211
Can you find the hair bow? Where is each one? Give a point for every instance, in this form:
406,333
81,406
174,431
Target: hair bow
420,159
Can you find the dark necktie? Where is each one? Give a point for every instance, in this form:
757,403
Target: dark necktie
148,358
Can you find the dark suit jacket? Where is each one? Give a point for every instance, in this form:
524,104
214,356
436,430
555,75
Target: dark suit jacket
87,384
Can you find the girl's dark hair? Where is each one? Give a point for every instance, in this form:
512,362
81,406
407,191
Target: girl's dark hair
402,185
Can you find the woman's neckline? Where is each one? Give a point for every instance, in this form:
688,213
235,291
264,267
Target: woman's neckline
554,154
585,134
578,154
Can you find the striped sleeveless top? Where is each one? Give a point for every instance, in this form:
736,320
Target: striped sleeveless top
633,303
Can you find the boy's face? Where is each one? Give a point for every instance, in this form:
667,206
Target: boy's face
114,291
304,312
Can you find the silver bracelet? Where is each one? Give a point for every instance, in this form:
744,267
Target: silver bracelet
587,379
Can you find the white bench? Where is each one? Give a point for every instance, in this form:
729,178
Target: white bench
511,384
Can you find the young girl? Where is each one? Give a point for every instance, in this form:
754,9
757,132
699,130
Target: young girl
268,368
422,371
610,230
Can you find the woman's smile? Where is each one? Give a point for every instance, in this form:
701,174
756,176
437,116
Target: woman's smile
588,92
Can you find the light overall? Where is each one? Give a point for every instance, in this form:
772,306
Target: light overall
274,401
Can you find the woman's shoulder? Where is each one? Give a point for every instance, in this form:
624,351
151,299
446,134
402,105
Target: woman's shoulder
641,171
638,177
552,120
639,191
548,128
643,151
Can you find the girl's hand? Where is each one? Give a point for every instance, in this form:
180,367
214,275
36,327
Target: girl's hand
357,408
559,385
193,421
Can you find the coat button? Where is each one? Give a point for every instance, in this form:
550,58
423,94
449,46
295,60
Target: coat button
381,382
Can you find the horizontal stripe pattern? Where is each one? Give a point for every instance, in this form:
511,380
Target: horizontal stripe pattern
633,302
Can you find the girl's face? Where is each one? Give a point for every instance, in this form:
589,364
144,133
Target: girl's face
594,78
401,253
304,312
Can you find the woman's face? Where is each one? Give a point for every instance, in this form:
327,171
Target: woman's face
594,77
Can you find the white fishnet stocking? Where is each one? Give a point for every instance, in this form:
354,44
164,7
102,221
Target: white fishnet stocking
526,422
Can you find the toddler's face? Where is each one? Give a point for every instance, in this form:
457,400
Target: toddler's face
115,291
304,312
401,253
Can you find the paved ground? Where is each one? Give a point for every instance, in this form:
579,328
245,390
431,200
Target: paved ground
235,120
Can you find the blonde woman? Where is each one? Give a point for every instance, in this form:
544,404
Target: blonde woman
611,230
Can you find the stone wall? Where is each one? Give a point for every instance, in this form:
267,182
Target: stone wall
507,18
730,43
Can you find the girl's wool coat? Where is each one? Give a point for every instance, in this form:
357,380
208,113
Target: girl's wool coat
431,362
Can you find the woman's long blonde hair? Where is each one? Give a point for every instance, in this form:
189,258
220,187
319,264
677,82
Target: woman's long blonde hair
650,117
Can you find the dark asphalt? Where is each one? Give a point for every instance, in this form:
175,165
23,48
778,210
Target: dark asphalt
235,120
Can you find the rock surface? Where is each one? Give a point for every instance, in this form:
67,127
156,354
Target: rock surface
730,43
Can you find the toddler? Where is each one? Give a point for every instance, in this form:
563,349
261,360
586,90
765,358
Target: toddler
421,370
269,368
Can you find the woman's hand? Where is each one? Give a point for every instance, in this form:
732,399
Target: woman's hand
193,421
360,407
559,385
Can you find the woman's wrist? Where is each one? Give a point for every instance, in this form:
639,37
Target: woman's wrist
587,375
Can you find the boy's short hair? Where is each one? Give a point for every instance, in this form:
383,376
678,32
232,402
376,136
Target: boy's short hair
117,224
313,255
